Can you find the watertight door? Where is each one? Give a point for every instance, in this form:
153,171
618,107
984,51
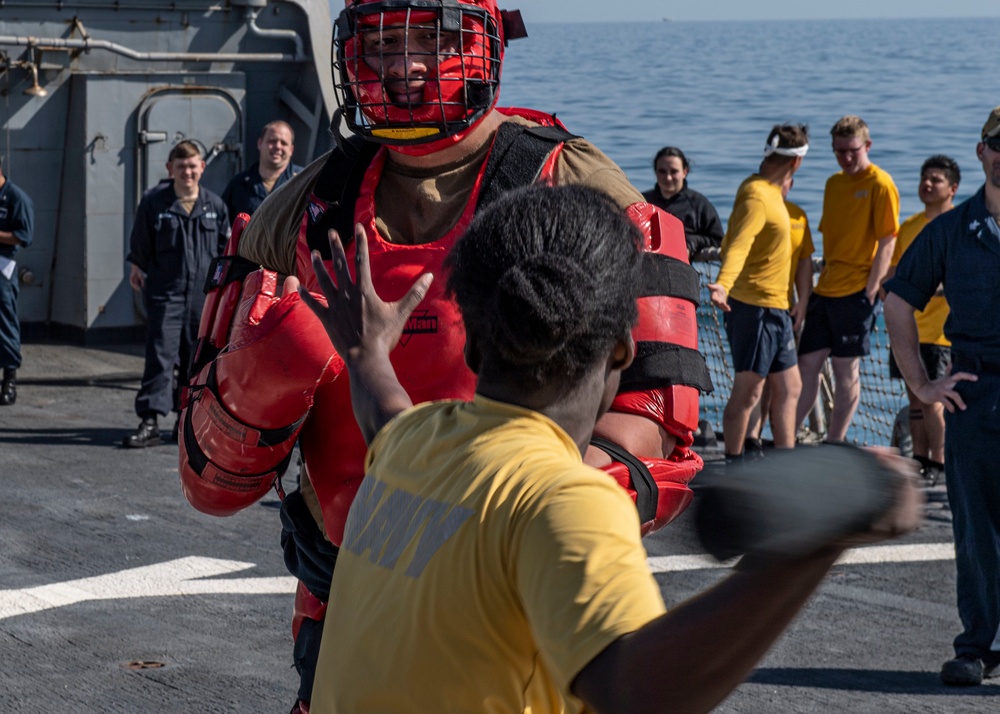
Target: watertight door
209,116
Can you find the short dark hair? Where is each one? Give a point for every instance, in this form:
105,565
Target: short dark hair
184,150
946,164
547,280
275,124
790,136
672,151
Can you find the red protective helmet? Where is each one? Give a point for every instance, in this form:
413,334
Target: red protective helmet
417,74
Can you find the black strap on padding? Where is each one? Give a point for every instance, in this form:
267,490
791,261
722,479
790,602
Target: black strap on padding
659,364
223,270
228,269
339,184
646,492
517,157
664,275
198,460
268,437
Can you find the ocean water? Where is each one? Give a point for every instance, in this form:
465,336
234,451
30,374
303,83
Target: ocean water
715,89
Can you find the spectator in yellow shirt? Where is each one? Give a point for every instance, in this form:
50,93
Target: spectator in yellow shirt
859,225
939,179
799,290
752,291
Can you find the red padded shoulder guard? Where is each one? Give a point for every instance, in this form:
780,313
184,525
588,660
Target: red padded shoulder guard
245,409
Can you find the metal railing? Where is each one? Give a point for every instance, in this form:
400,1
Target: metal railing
882,398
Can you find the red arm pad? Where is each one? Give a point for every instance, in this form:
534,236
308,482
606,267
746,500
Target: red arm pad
670,477
673,408
243,415
668,372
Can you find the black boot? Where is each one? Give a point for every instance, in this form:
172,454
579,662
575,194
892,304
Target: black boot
8,391
753,449
148,434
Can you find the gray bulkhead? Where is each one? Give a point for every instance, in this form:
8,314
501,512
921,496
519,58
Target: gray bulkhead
94,93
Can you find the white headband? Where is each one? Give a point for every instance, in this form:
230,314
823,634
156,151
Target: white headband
772,148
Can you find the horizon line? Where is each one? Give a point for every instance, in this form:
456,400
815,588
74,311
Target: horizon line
670,20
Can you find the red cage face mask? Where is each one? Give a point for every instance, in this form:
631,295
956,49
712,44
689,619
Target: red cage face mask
417,74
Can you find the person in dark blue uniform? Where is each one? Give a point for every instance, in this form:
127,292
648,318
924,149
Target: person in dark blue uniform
247,190
702,227
960,249
179,229
17,218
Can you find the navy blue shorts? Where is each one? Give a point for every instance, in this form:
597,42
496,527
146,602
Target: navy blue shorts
842,325
760,338
936,359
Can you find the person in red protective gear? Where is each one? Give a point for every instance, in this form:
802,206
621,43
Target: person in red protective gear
417,83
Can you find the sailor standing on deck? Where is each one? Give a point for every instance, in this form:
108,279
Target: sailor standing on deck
702,227
859,225
752,291
248,189
179,229
939,179
960,250
17,218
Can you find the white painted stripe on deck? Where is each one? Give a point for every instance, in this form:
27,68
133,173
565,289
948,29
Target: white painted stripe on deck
176,577
186,576
858,556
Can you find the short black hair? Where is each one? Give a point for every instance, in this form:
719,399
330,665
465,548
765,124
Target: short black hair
946,164
672,151
547,280
790,136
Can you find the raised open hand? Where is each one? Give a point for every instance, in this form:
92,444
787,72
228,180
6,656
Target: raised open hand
357,320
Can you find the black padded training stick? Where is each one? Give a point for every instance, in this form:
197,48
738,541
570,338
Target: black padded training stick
792,502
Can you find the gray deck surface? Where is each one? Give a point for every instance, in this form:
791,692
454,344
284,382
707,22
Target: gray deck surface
202,633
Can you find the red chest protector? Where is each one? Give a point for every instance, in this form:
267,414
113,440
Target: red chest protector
429,359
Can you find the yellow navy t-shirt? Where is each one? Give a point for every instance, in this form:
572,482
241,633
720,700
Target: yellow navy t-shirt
757,248
858,210
483,566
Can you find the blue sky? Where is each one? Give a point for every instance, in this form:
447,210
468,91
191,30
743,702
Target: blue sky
640,10
637,10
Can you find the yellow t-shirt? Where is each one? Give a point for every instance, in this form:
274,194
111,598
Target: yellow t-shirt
801,240
930,321
757,247
483,566
857,211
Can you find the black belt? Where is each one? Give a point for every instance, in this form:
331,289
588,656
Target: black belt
974,364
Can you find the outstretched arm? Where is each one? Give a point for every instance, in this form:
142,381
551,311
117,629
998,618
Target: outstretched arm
718,643
363,330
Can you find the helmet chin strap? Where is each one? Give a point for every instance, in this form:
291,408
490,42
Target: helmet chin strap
441,144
